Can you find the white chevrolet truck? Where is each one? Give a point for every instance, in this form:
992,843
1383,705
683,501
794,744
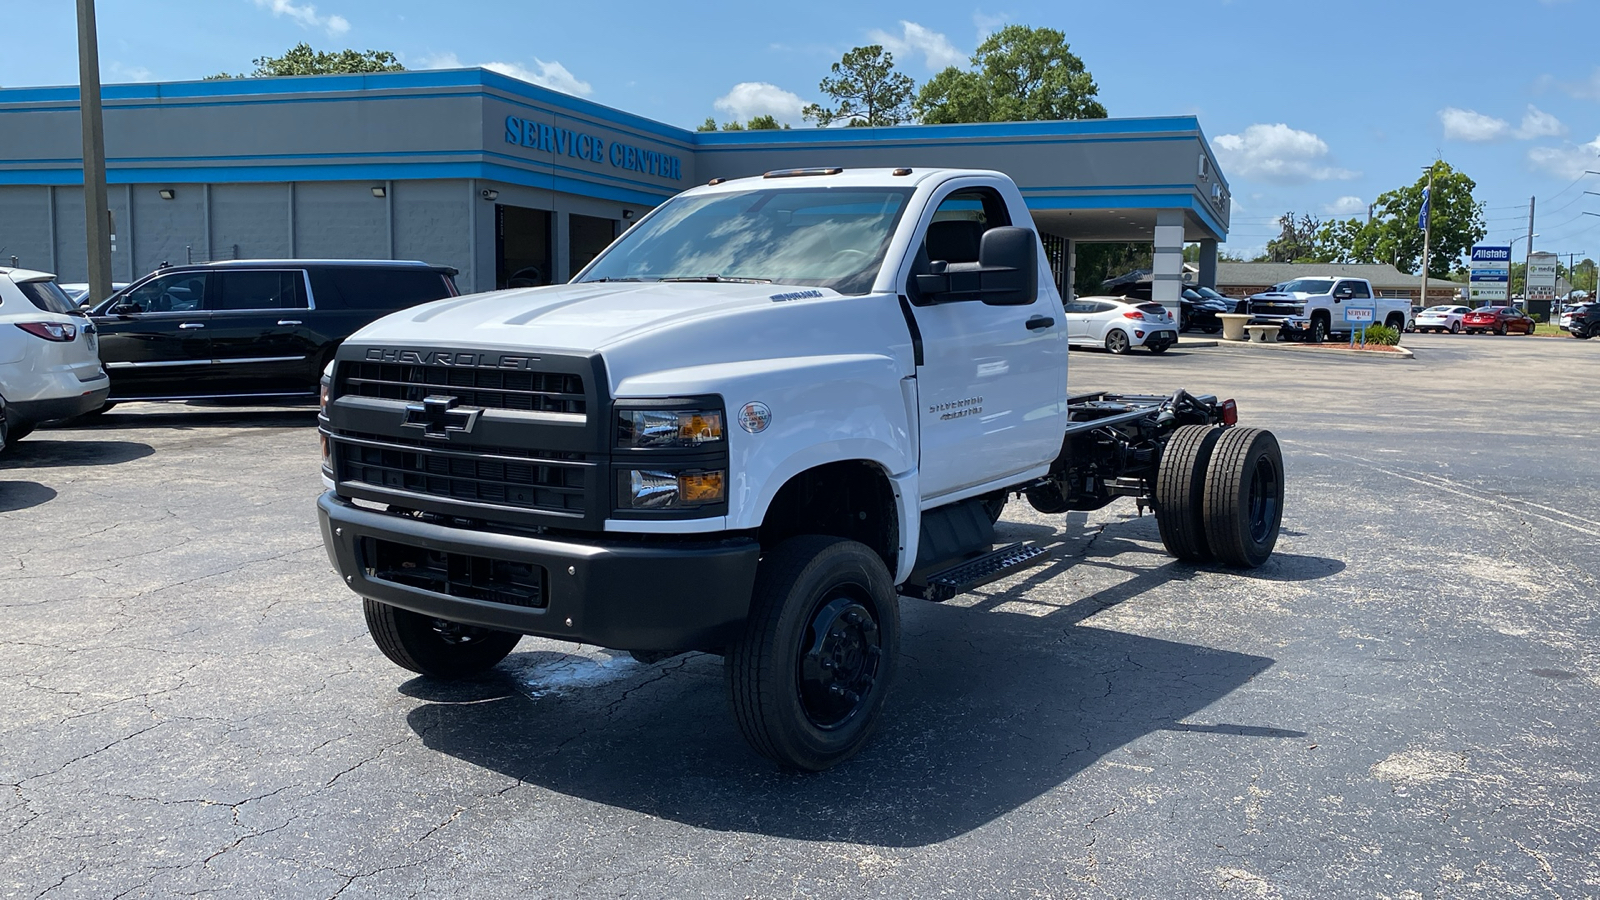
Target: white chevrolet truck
767,412
1313,307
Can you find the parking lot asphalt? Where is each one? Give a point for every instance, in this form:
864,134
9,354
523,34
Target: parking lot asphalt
1404,702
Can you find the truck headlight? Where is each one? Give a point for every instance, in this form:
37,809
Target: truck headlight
665,489
665,429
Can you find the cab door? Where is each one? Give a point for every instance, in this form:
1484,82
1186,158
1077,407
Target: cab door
261,341
992,384
153,341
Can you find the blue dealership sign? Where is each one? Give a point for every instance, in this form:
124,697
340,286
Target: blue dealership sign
1491,275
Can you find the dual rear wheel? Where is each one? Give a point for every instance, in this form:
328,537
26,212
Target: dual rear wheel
1219,495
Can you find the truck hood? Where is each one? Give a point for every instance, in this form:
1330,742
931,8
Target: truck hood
581,317
1296,296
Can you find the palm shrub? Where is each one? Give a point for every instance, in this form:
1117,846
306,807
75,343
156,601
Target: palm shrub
1381,335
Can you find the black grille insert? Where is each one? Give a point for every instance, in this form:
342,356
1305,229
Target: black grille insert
552,486
487,388
456,574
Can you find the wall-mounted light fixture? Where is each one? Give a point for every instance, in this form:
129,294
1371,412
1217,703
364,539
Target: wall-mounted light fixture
167,193
627,214
489,194
378,191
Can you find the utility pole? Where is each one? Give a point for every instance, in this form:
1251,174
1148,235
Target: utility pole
1427,232
96,208
1527,260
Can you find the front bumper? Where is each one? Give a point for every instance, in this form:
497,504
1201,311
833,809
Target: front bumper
625,595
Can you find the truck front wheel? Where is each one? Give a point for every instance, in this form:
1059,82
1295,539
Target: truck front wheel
807,677
1244,497
434,647
1180,492
1319,329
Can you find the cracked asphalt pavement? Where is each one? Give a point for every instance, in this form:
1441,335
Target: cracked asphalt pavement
1402,703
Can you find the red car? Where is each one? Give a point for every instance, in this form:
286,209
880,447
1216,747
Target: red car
1498,319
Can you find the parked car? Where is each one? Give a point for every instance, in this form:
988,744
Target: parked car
78,292
1498,319
1119,324
1581,320
1442,319
1411,317
249,328
1198,311
49,368
1240,305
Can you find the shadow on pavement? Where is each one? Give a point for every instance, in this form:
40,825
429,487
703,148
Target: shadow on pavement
15,495
989,712
41,453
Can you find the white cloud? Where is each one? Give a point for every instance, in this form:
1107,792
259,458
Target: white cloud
1278,153
1345,207
987,24
1588,89
1567,161
749,99
125,73
1472,126
1537,123
306,15
916,40
552,75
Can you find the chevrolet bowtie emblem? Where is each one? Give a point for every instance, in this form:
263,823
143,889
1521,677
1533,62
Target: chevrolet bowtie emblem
437,417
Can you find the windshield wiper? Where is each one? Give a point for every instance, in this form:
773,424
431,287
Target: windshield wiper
611,278
720,279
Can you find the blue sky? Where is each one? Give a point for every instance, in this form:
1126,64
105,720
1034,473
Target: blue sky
1313,107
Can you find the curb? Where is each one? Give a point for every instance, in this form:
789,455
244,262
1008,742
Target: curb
1292,347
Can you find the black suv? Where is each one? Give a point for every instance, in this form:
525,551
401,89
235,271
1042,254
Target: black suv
248,328
1583,320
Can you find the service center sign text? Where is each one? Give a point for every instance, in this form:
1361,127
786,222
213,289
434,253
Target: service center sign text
566,142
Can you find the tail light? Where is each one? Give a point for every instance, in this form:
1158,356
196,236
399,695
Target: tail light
50,331
1133,314
1230,412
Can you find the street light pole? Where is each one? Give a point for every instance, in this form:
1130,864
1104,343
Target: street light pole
96,207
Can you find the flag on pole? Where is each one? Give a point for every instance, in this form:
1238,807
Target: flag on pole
1422,217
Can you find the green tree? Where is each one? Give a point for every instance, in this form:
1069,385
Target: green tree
759,123
1018,74
1345,241
764,123
1457,223
709,124
866,90
302,60
1099,261
1296,240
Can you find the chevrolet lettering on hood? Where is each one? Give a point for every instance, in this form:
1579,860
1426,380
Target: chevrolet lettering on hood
456,358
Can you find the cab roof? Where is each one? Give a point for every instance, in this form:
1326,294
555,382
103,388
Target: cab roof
834,176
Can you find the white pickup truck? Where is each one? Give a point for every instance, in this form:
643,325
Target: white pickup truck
1313,307
768,411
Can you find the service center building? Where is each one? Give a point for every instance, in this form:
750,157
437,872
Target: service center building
512,183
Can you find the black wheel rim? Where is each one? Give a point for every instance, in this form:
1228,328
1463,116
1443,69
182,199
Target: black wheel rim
1263,499
840,652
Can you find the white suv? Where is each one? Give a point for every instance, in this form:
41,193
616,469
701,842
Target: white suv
49,357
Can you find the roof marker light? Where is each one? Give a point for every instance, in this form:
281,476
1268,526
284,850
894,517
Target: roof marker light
901,172
801,173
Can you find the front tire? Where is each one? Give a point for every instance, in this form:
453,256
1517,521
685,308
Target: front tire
434,647
808,676
1244,497
1180,492
1117,341
1319,330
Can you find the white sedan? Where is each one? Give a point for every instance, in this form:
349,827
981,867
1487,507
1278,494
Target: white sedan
1442,319
1119,324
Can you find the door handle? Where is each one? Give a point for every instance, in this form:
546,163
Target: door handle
1038,322
288,321
191,325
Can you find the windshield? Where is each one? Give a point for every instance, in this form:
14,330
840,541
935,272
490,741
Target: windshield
1209,294
48,296
1308,286
1440,309
821,237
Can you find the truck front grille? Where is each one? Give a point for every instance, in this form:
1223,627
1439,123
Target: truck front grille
548,484
487,388
456,574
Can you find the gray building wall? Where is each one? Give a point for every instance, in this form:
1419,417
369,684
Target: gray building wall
25,205
251,220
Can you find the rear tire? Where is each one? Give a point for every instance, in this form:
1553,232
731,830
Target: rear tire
1455,328
1180,492
434,647
1500,329
1244,497
1117,341
808,677
1158,348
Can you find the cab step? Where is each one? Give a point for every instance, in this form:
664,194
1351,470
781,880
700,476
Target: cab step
977,572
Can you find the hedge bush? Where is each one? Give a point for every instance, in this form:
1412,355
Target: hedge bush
1382,335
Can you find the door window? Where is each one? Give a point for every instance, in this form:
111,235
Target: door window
955,232
272,289
178,293
1358,290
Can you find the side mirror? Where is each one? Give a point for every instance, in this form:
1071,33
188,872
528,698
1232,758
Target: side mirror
125,309
1006,273
1344,294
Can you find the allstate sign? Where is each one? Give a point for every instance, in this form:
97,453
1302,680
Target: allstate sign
1491,255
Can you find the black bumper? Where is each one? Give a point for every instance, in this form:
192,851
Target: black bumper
625,595
36,411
